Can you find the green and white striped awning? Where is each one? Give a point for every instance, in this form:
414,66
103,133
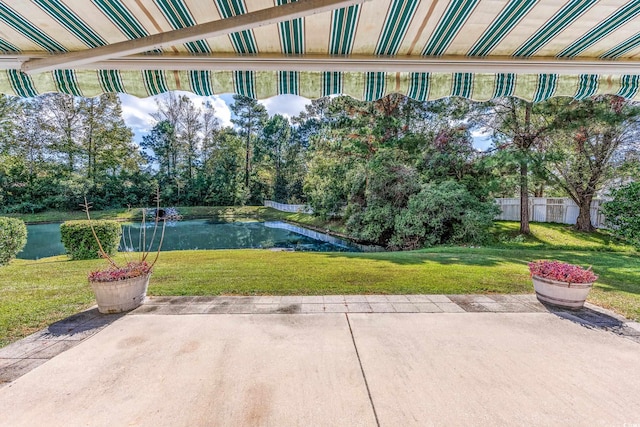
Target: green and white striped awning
426,49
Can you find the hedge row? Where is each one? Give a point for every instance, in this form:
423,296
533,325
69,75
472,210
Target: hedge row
80,243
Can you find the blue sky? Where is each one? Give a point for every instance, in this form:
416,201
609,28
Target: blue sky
137,112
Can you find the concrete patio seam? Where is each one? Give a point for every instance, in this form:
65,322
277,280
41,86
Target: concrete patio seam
364,375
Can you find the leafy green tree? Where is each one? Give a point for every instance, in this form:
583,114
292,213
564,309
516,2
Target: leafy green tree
106,142
273,150
191,137
313,122
520,129
161,142
623,213
210,131
448,154
181,123
325,184
581,157
60,118
10,111
250,117
224,169
366,160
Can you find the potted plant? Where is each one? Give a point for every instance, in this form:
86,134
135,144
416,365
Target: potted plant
561,284
123,287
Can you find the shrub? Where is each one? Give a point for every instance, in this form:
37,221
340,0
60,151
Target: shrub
26,208
378,193
79,242
13,237
443,213
623,213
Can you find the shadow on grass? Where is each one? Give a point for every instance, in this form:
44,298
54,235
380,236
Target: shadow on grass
619,271
565,238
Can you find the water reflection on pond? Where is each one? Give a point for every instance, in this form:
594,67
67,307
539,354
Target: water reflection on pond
43,240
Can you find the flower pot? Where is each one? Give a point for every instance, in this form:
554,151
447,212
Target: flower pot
562,294
120,295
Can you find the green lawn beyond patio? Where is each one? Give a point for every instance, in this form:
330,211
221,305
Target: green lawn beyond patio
37,293
34,294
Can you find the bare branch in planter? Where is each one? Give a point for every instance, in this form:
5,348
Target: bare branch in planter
155,228
86,207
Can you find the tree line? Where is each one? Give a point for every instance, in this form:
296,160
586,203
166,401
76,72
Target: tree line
398,172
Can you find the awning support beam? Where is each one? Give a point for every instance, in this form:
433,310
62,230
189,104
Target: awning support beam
217,28
353,63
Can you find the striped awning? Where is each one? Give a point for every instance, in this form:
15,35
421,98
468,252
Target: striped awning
426,49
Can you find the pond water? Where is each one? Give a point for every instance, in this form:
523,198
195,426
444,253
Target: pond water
43,240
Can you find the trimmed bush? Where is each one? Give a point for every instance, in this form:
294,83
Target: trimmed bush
13,237
79,242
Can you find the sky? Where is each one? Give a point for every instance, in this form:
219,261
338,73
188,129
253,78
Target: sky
137,112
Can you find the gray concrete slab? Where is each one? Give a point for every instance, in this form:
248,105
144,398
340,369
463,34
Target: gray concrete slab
634,326
269,299
439,298
355,298
335,308
358,307
295,363
15,370
312,308
400,307
418,298
428,307
382,307
496,369
449,307
199,370
333,299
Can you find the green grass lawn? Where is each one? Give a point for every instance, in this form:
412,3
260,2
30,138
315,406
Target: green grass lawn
554,236
34,294
37,293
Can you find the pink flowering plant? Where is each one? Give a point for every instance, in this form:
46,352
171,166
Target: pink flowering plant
561,272
132,268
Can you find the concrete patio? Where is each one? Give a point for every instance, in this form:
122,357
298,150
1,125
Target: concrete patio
327,360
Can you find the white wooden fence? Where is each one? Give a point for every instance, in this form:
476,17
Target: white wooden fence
549,209
541,209
288,208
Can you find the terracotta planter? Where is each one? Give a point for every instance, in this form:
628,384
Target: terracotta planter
568,295
121,295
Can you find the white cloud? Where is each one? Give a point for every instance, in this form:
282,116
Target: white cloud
286,105
136,112
223,112
481,138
